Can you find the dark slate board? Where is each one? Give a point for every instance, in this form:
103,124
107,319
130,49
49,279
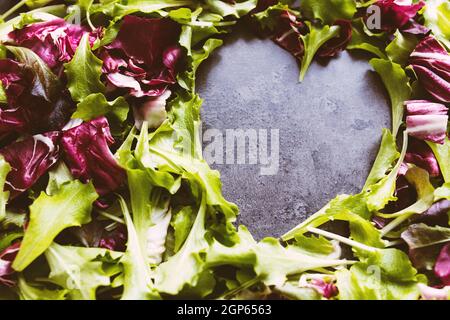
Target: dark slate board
329,125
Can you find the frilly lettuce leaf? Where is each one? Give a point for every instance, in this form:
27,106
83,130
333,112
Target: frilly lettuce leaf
77,269
442,154
84,71
4,195
387,154
316,37
328,11
70,206
396,83
437,17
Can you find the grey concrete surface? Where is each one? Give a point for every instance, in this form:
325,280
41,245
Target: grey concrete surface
330,127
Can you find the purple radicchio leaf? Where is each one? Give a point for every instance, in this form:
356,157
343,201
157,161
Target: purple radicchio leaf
396,13
54,41
337,44
442,266
30,159
143,59
420,154
287,34
431,63
25,112
7,257
87,154
426,120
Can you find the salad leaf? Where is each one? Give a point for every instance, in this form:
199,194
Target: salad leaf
335,45
5,168
382,192
396,14
54,41
430,62
442,192
442,154
137,282
396,83
441,269
274,262
95,105
129,64
7,256
420,235
399,49
188,256
49,215
362,41
419,178
235,9
29,160
316,37
83,72
29,292
87,154
240,254
328,11
45,84
437,17
362,282
420,154
77,270
426,120
182,223
383,162
187,79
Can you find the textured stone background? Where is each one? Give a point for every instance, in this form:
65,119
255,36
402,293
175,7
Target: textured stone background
330,127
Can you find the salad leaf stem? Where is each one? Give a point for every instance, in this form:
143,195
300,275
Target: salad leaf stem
342,239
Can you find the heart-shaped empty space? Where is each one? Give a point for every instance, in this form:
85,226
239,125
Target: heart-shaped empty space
329,127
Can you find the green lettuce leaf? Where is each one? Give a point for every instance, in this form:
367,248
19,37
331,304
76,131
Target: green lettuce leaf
328,11
399,49
442,154
396,83
379,194
275,263
343,207
189,257
5,168
236,9
316,37
83,72
3,98
96,105
137,279
362,41
383,162
241,253
29,292
364,282
442,192
196,57
437,18
182,223
77,270
49,215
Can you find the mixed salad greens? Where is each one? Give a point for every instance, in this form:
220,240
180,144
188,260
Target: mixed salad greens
105,191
